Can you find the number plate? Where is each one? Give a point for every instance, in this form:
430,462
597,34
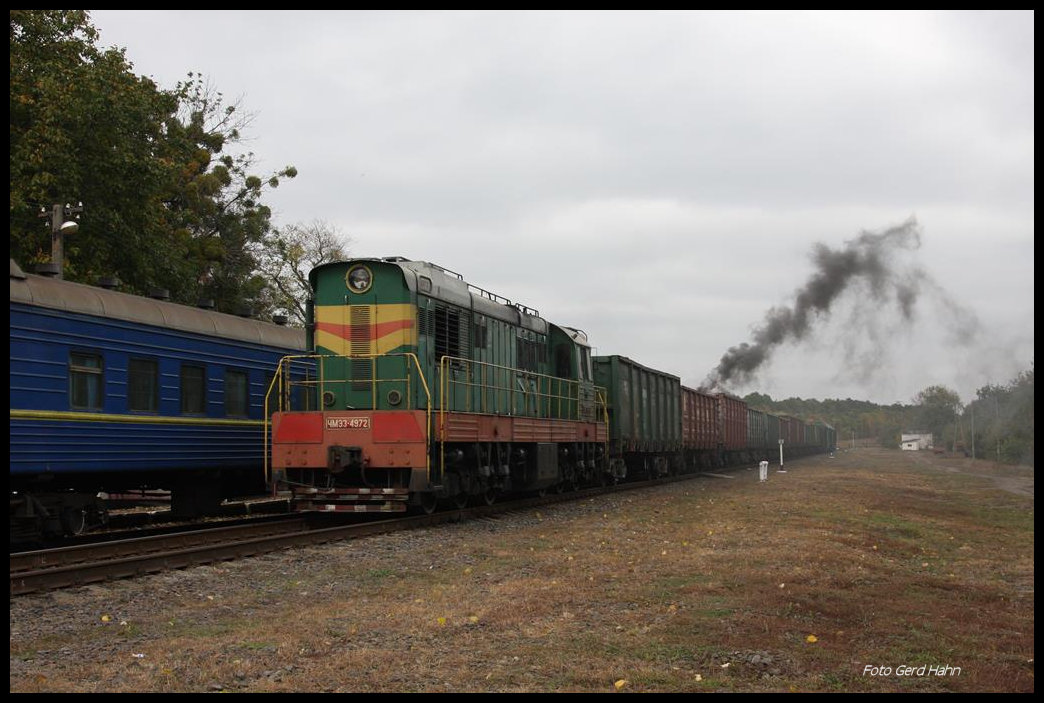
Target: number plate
347,423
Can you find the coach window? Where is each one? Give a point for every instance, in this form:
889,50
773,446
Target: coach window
193,390
85,381
142,386
236,396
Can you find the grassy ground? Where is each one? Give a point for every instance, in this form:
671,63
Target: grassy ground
871,571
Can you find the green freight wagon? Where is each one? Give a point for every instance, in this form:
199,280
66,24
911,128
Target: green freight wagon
757,434
773,429
645,424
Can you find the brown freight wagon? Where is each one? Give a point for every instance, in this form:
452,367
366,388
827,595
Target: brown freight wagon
701,435
732,421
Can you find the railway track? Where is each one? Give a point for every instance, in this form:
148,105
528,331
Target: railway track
77,565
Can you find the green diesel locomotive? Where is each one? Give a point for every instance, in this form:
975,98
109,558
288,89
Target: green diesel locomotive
426,388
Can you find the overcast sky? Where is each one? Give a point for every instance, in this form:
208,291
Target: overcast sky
660,179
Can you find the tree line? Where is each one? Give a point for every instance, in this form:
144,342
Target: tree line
170,198
997,425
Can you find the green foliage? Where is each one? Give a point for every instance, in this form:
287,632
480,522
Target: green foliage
1000,421
82,129
165,203
936,410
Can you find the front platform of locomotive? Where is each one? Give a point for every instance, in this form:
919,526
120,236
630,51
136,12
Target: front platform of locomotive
354,434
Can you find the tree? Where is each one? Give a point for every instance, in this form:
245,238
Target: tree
217,206
761,401
290,253
165,202
1003,420
937,408
84,128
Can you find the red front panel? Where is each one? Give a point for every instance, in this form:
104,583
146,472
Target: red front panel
390,439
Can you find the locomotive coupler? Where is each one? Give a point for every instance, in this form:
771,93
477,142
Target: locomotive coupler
341,458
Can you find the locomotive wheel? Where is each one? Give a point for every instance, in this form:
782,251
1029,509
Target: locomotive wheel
460,501
489,496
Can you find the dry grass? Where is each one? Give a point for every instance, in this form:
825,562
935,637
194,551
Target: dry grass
872,558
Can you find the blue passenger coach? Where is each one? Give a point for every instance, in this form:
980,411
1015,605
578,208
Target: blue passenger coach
112,392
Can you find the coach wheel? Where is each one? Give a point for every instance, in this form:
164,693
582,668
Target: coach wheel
74,520
489,496
460,501
428,502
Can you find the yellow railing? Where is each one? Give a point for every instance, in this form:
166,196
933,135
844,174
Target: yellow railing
481,387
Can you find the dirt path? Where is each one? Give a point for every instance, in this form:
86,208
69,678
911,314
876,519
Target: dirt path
1013,479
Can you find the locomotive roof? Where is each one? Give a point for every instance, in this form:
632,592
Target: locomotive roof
450,286
578,336
67,296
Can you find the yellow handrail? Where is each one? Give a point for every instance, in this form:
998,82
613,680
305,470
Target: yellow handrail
567,404
489,382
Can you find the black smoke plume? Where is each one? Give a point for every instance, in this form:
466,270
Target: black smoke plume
870,259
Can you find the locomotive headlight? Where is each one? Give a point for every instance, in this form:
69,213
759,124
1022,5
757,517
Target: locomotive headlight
359,279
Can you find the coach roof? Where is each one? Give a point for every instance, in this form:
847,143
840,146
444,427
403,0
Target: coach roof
56,294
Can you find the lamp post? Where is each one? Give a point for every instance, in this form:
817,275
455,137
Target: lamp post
59,228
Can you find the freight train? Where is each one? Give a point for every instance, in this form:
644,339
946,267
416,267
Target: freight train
431,390
411,387
112,392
